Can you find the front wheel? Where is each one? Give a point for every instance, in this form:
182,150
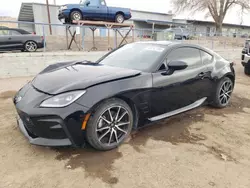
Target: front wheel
110,124
76,15
223,93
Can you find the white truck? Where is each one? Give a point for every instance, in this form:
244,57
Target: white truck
245,57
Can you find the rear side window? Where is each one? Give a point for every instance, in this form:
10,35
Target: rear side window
191,56
13,32
206,58
4,32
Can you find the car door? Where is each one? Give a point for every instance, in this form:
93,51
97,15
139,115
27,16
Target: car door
181,88
103,10
16,39
94,10
5,42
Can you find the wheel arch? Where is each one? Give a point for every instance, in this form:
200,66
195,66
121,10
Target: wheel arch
230,76
75,9
119,12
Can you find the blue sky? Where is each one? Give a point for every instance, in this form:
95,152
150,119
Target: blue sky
11,8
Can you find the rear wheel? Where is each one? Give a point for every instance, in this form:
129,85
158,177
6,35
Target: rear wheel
223,93
76,15
30,46
109,125
119,18
247,70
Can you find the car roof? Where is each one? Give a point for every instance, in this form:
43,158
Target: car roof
164,43
22,31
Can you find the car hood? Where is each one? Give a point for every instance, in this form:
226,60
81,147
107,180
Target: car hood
68,76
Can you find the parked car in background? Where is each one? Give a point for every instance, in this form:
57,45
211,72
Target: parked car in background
19,39
245,35
180,33
70,103
93,10
245,57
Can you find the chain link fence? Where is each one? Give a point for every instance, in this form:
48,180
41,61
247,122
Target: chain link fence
57,37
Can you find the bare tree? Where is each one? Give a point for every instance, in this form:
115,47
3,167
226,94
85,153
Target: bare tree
215,8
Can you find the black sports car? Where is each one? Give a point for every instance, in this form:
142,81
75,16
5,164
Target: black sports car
73,102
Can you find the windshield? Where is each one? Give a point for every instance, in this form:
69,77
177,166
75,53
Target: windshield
83,1
136,56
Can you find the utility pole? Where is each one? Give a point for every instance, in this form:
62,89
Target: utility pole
47,3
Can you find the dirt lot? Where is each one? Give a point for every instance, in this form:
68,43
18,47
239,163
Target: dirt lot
202,148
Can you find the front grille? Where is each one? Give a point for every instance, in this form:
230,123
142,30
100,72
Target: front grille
43,127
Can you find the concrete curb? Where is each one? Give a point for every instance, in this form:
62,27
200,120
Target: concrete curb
79,53
49,54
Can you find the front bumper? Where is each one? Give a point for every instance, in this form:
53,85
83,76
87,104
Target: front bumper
49,126
63,14
41,45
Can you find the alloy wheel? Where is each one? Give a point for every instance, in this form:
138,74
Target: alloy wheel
113,125
225,92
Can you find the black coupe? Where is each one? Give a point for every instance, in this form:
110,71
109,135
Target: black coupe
100,102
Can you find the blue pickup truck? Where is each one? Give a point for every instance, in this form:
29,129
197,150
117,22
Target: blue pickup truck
93,10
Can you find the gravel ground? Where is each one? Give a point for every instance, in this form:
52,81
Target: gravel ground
201,148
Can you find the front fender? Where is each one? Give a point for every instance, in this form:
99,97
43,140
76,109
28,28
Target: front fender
136,89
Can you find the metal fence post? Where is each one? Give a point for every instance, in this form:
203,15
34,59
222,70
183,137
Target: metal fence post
44,39
115,41
83,35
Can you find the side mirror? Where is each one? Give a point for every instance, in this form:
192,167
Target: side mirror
177,65
87,3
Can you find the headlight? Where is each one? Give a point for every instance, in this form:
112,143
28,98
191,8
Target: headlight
62,100
64,7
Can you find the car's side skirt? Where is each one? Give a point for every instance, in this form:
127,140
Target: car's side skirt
178,111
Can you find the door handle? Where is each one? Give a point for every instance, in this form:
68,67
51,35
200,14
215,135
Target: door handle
9,38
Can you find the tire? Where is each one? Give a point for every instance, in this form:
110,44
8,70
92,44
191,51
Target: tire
76,15
247,70
30,46
223,93
119,18
184,38
109,136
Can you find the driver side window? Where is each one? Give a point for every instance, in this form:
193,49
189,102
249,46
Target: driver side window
93,3
189,55
103,3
